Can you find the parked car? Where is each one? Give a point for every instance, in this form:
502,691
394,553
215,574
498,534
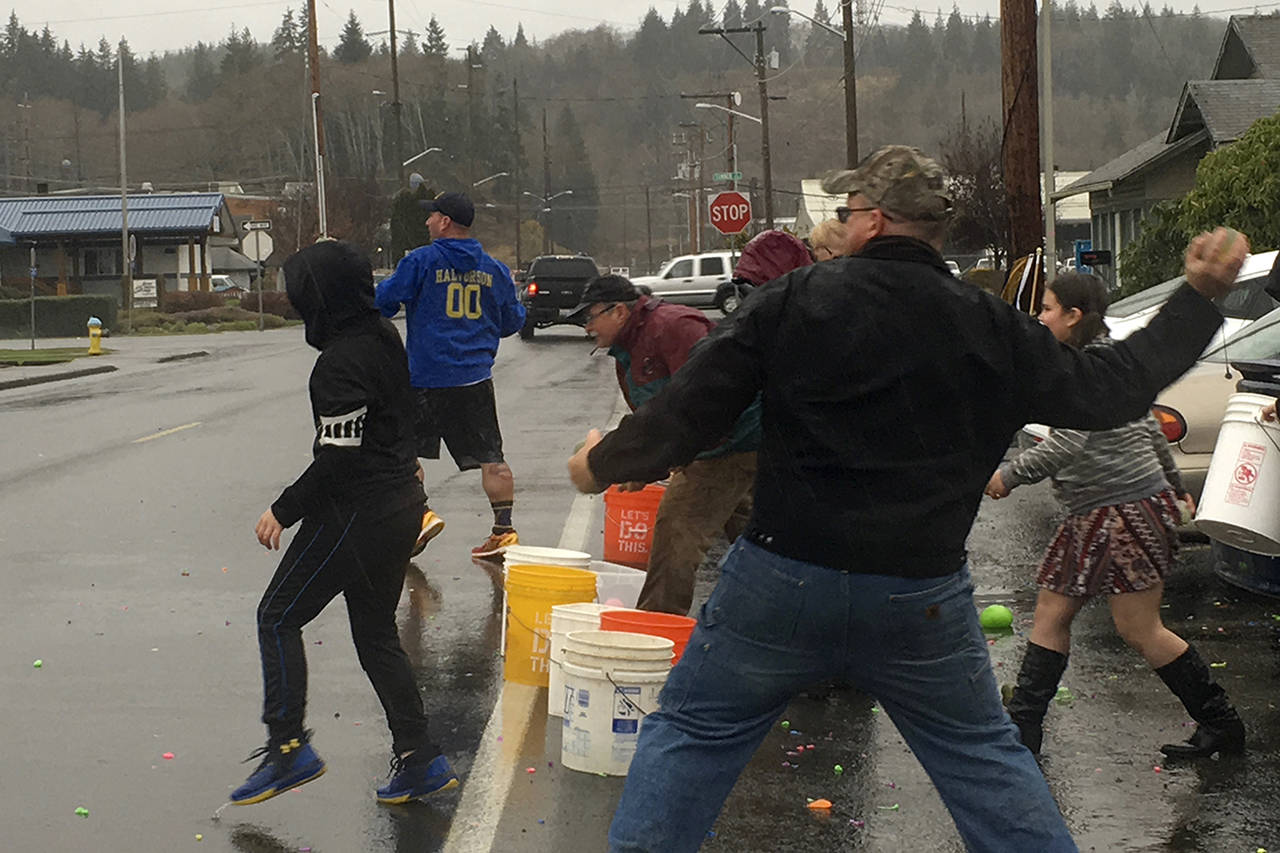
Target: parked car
691,279
1190,410
551,288
1246,303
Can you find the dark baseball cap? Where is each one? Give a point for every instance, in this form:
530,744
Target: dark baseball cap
604,289
456,206
898,179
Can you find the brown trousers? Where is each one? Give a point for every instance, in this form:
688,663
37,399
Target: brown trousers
707,497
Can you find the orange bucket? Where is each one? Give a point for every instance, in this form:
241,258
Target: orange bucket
628,524
673,627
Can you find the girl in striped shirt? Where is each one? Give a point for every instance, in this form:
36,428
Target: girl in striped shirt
1121,487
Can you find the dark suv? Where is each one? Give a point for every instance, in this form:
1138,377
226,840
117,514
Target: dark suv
552,288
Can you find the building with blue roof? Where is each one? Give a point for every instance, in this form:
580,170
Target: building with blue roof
78,240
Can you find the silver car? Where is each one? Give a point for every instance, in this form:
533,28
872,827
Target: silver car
690,279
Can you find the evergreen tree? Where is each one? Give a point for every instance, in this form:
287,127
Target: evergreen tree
732,14
409,46
520,41
492,48
241,53
436,44
287,40
821,46
153,82
202,79
573,217
955,40
650,45
352,45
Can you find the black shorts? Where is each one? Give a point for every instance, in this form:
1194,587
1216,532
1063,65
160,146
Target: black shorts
466,417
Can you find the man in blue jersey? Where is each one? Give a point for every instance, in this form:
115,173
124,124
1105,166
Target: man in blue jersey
459,303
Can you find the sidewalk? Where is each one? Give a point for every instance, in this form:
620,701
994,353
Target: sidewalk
132,353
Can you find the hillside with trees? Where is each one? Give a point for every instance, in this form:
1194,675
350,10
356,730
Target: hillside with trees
616,127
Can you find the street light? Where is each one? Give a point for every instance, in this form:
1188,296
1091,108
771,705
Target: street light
850,78
420,154
727,110
492,177
546,208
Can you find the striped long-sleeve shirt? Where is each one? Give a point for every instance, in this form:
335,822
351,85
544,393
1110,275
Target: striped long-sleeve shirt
1099,468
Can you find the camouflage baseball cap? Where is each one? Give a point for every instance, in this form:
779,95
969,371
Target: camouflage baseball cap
898,179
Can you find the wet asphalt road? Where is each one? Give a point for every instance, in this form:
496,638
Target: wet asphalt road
131,572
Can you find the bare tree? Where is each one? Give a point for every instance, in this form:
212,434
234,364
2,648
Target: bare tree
971,156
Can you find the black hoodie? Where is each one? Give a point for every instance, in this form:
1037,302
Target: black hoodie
361,401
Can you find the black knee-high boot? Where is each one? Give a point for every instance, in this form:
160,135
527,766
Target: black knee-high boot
1037,683
1219,728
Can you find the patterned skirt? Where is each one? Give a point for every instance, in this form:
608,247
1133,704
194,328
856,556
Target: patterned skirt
1113,549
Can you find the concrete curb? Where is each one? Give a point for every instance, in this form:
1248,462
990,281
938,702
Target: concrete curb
68,374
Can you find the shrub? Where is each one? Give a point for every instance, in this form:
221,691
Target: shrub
56,316
273,302
179,301
195,328
238,326
221,314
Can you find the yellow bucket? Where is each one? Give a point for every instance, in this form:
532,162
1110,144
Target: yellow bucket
531,593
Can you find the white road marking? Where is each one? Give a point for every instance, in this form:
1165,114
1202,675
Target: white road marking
165,432
484,796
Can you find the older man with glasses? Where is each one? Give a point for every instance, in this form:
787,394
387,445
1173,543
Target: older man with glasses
650,340
890,391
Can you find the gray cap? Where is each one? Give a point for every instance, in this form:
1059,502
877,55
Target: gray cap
899,179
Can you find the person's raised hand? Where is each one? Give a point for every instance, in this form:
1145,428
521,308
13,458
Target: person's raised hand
1213,261
580,468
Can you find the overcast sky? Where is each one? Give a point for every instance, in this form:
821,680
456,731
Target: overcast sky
159,25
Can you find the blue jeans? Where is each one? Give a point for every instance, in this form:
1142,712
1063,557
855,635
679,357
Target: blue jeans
775,626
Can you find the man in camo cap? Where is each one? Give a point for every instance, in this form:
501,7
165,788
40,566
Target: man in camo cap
889,391
897,183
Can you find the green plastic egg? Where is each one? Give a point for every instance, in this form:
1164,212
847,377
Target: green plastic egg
996,617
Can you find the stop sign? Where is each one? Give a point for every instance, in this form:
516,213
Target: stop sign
730,212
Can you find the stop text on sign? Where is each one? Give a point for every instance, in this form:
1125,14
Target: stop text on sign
730,212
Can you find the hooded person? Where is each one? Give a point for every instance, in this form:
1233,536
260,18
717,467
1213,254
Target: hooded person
650,340
359,504
459,303
766,256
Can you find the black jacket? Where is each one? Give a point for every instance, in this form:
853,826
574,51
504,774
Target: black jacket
361,401
891,392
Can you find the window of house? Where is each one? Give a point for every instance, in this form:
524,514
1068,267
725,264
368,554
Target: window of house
102,261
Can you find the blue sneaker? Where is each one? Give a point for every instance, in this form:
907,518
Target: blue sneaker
283,767
414,780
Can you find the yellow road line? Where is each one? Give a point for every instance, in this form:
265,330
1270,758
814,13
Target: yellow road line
165,432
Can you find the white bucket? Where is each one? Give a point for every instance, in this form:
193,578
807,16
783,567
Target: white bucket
583,616
618,583
534,555
1240,504
618,649
602,715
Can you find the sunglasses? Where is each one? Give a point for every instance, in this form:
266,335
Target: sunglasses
843,213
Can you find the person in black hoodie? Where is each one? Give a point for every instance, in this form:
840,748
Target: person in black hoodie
360,502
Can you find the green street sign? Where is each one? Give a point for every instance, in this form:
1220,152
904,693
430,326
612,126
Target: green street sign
726,176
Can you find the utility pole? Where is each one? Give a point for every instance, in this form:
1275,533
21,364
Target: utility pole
471,116
648,227
126,267
1046,142
546,186
764,125
515,99
731,100
25,106
1020,100
850,86
397,133
759,63
317,116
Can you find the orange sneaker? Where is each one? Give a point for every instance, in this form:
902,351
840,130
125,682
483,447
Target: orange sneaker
432,524
495,545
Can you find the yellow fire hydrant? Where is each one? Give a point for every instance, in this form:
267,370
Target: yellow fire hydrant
95,336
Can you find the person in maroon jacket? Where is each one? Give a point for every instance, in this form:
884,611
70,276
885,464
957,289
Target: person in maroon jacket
650,340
